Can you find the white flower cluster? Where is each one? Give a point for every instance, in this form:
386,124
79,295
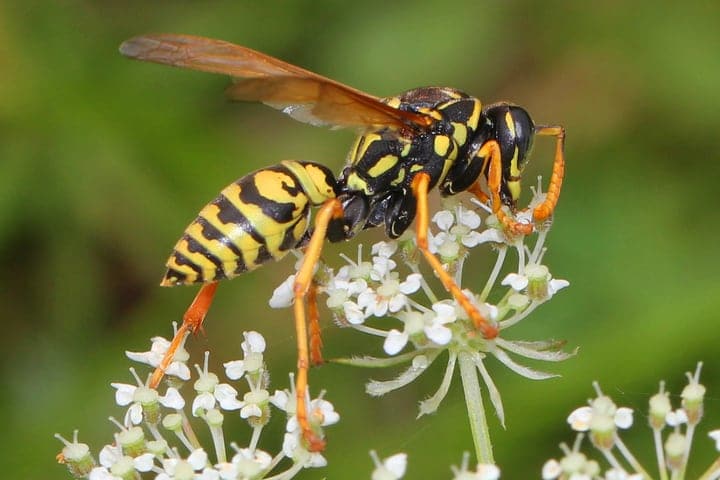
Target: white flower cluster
601,421
157,440
389,296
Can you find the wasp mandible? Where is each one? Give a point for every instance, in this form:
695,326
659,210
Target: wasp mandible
408,144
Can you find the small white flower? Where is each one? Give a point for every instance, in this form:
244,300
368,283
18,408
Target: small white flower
340,291
537,281
395,341
392,468
456,229
139,396
253,348
292,449
211,391
390,295
385,249
579,419
437,331
624,418
172,399
516,281
195,462
154,356
253,403
250,463
323,413
551,470
676,418
354,314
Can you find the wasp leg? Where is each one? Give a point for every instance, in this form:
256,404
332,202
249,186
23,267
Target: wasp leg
545,209
420,185
491,149
316,344
331,209
476,190
192,322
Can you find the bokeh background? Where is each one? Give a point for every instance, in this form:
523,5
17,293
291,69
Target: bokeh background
103,162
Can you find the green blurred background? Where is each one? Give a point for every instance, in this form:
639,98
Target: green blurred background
104,161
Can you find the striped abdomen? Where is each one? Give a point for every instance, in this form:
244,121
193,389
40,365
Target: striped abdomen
258,218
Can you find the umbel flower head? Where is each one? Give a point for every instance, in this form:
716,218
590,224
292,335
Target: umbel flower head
389,294
603,422
158,438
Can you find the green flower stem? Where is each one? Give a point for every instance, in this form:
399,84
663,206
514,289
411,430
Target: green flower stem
713,472
660,454
476,411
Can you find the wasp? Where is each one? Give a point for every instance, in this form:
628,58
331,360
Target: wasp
407,145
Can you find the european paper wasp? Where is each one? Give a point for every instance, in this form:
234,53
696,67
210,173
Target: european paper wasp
408,144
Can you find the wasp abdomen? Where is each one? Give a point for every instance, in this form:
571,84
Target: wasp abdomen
258,218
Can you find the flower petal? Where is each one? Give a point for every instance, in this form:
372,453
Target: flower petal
579,419
411,283
624,417
234,369
172,399
254,342
438,334
396,464
283,296
226,396
204,401
123,393
444,219
515,281
198,459
395,341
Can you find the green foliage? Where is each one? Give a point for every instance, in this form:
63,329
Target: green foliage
103,162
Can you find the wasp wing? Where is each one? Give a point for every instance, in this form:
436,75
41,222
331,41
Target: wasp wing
305,96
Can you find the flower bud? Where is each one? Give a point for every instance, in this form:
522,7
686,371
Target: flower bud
132,441
659,408
675,447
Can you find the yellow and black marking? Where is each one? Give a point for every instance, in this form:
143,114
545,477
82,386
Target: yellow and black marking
258,218
411,143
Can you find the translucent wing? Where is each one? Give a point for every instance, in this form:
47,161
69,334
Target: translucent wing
303,95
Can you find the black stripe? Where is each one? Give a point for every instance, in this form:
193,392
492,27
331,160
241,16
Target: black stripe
278,211
194,246
229,214
289,240
174,277
181,259
211,233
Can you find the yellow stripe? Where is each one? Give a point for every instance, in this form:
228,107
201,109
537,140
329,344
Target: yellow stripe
441,145
367,140
510,123
191,275
354,182
400,177
459,133
475,116
383,165
208,268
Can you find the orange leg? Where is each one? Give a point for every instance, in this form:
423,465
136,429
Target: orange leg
192,322
316,344
476,190
420,185
545,209
491,149
303,280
